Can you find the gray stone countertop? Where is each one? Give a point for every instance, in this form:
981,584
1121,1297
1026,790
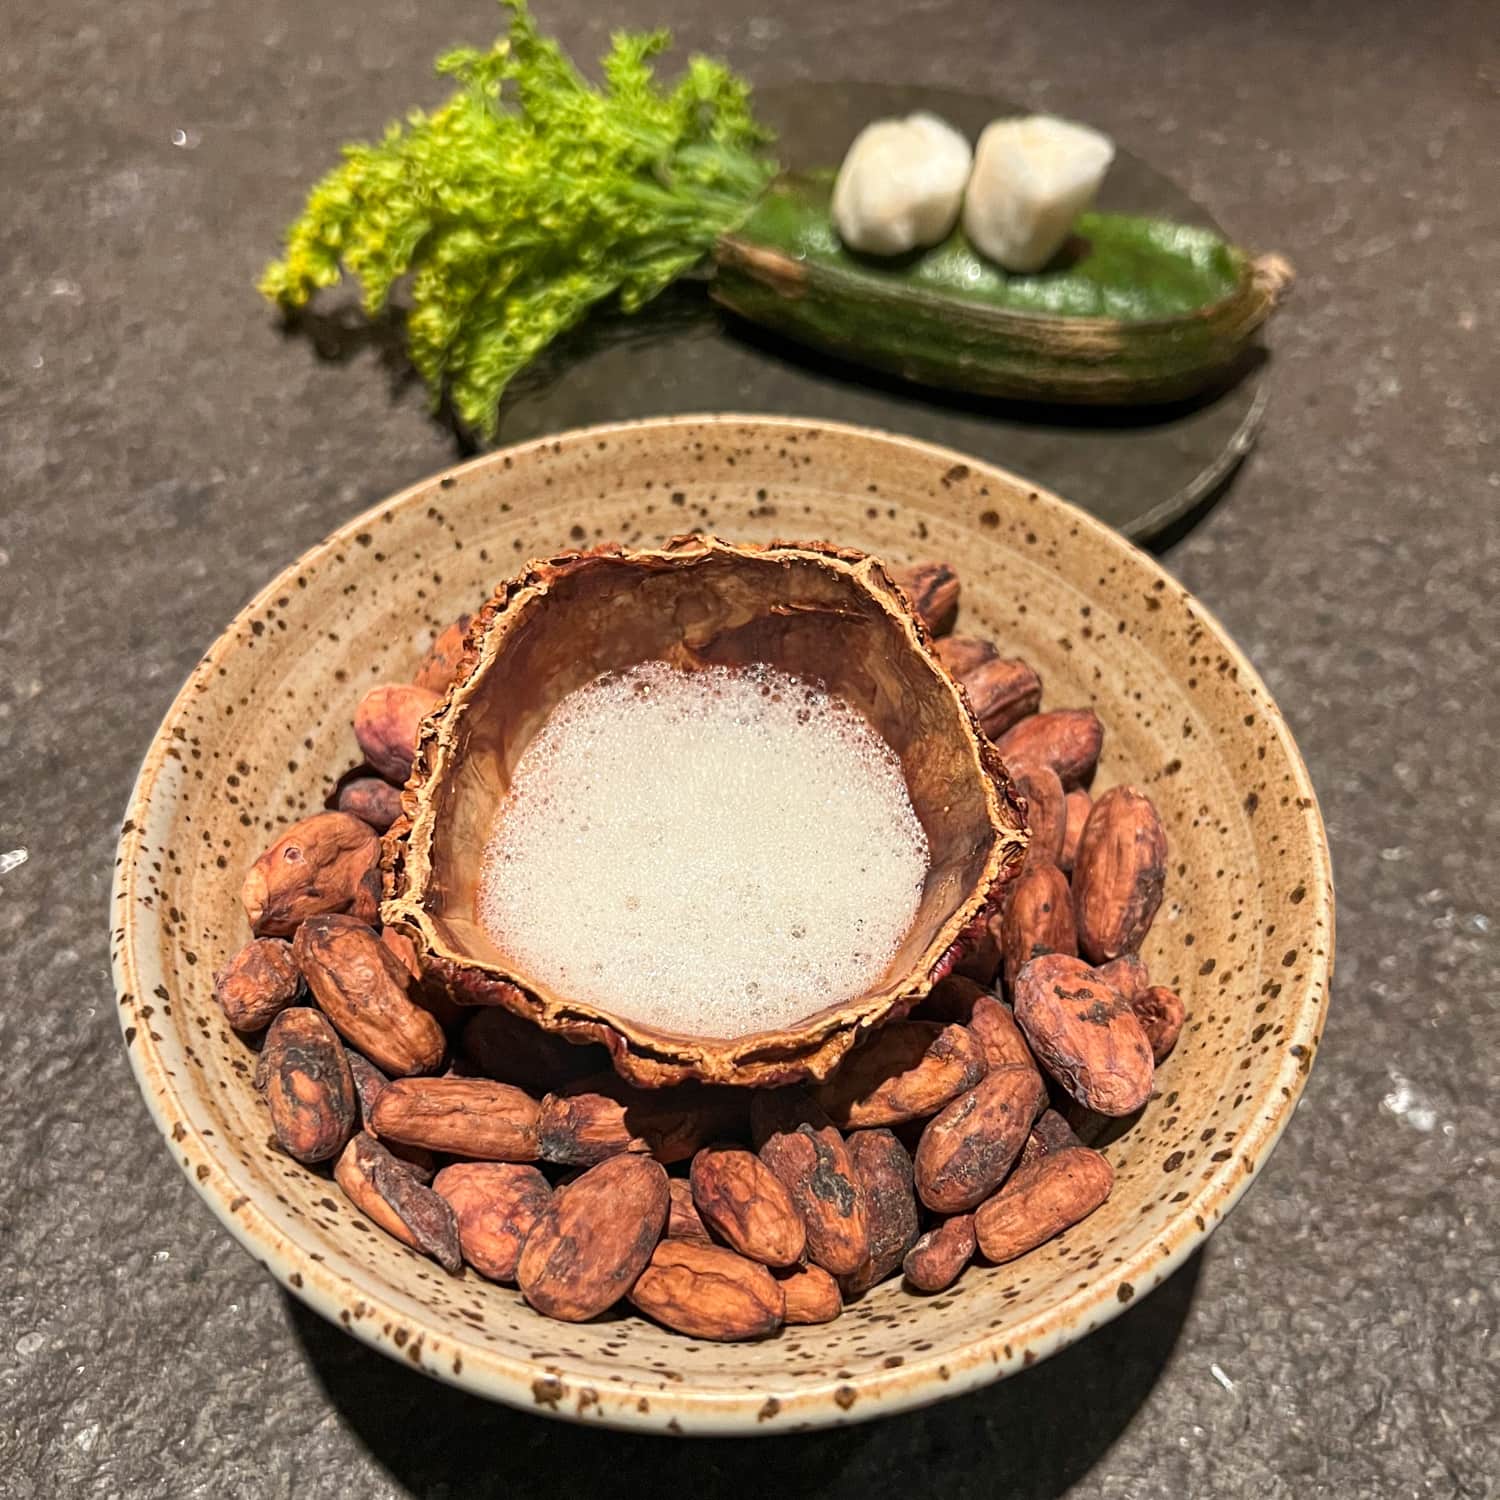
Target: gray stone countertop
165,450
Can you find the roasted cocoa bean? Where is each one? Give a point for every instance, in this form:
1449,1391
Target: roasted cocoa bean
1127,975
372,801
438,668
1041,1200
602,1116
500,1045
961,653
1067,740
952,1000
747,1205
307,1085
1076,807
1050,1133
812,1295
999,1037
932,590
361,986
1161,1014
938,1258
329,862
406,953
1119,874
884,1170
967,1149
908,1069
797,1142
1002,691
1084,1034
385,1191
1038,918
386,724
469,1117
496,1205
369,1084
1046,812
592,1241
257,984
683,1219
708,1292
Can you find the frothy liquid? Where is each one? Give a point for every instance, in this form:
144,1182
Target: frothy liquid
713,853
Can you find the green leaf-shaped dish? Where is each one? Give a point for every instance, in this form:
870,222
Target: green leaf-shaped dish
1134,310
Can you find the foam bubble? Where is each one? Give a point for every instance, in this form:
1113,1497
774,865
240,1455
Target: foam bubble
713,853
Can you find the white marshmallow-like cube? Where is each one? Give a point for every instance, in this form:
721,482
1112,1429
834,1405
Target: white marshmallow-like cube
1032,178
901,185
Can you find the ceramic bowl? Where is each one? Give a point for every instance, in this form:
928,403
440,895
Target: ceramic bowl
262,728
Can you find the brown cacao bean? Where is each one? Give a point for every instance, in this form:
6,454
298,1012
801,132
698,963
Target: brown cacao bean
884,1170
1046,811
999,1037
683,1220
812,1295
386,723
1161,1014
1067,740
601,1116
1050,1133
500,1045
961,654
1002,691
361,986
932,590
1084,1034
1076,807
708,1292
967,1149
1119,874
594,1238
385,1191
1038,918
257,984
307,1085
439,667
469,1117
747,1205
369,1084
980,959
938,1258
372,801
496,1205
329,862
1041,1200
908,1069
797,1142
1127,975
952,1000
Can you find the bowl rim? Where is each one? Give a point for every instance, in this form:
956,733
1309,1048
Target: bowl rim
934,1375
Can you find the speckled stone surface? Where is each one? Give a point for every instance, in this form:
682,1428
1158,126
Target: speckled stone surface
165,451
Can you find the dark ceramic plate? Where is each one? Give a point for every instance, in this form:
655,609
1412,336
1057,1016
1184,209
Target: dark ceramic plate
1138,469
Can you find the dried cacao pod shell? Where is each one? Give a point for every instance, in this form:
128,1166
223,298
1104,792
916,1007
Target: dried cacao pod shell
501,1045
1002,691
683,1219
469,1117
369,1084
1084,1034
999,1037
952,999
883,1166
906,1070
257,984
797,1142
812,1295
1119,874
1050,1133
1046,812
594,1238
1038,918
1127,975
384,1190
440,666
371,800
361,986
747,1205
329,862
307,1085
1161,1014
1041,1200
1076,807
980,960
386,724
594,1118
1067,740
931,588
967,1149
708,1292
496,1205
938,1258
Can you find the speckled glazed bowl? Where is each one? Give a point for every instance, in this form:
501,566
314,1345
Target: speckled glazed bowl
263,727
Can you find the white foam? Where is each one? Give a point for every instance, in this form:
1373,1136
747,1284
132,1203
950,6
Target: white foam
713,853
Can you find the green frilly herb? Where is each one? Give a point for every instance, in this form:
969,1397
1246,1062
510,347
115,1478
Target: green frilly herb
527,199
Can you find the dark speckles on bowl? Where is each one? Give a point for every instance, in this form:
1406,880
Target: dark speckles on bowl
1186,715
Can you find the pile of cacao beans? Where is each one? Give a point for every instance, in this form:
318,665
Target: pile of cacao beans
478,1139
